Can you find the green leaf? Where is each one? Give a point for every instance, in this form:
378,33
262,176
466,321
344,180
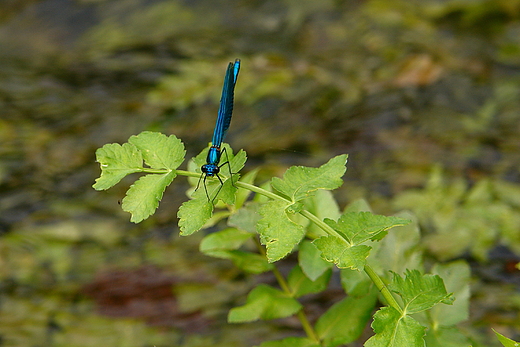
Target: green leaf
250,262
264,302
291,342
246,217
508,192
226,191
224,244
209,187
395,330
322,205
461,218
456,278
310,260
399,250
338,251
237,161
159,151
116,162
277,231
295,208
345,321
358,227
243,194
260,198
193,214
143,197
355,283
359,205
505,341
301,285
442,336
420,292
299,181
227,239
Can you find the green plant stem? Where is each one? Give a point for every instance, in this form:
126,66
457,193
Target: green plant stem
322,225
154,171
382,288
281,281
368,269
261,191
307,327
188,173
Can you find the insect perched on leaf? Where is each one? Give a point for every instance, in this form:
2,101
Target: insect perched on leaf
212,167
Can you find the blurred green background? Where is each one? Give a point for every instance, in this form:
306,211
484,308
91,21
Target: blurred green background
424,95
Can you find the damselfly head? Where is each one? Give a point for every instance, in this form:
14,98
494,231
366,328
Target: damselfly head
210,169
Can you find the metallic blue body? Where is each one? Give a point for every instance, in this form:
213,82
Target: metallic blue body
225,112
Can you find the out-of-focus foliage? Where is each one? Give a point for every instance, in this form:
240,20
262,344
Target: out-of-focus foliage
397,84
461,218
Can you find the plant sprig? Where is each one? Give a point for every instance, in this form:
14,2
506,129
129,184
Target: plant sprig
279,218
